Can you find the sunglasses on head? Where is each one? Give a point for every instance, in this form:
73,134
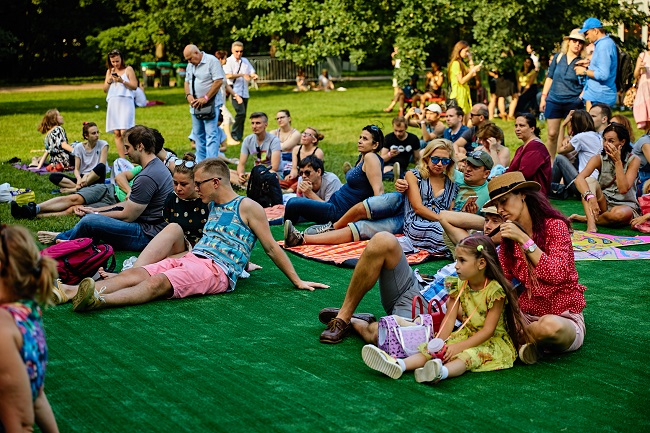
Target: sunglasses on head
436,159
305,173
475,154
186,163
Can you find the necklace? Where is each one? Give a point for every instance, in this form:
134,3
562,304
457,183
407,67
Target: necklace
286,137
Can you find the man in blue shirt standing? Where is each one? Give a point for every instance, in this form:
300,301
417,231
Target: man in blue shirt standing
203,79
601,71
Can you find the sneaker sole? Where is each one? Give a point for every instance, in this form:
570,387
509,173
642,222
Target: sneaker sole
528,354
375,360
84,294
429,373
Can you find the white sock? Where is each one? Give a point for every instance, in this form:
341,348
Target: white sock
444,372
401,364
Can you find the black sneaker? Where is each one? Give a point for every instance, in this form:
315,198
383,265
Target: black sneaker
292,237
27,211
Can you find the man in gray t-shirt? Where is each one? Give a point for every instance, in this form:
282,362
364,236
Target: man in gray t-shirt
314,182
266,147
130,224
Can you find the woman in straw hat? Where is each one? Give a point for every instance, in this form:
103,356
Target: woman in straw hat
536,250
562,88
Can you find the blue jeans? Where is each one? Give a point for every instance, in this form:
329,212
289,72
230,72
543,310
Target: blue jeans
564,169
206,134
237,130
119,234
386,213
300,209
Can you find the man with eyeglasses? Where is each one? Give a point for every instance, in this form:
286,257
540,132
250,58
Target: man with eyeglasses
131,224
314,182
600,72
203,80
266,147
479,116
214,265
239,72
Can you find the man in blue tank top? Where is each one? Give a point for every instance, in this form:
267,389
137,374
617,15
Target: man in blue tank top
234,225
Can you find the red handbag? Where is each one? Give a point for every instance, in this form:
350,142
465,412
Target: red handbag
436,316
644,203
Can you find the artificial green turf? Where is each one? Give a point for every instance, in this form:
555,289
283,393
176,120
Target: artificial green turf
251,361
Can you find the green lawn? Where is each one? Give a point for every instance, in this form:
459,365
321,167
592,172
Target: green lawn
250,360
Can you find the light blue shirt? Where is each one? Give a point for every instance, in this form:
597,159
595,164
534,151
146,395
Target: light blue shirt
602,88
204,74
243,66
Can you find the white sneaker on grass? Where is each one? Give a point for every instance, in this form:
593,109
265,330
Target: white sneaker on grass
431,372
381,361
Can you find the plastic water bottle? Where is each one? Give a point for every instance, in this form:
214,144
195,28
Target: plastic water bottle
128,263
541,118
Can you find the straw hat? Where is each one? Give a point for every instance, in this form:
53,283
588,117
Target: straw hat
507,183
575,34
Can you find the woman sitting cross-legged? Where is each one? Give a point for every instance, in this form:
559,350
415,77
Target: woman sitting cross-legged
363,180
89,162
430,191
610,200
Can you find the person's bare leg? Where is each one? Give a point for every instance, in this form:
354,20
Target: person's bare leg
356,213
119,142
553,331
588,217
67,184
128,278
382,252
60,204
618,216
168,242
492,105
553,126
333,237
456,367
502,108
367,331
513,107
147,289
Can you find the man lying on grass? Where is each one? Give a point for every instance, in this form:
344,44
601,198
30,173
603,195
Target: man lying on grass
213,265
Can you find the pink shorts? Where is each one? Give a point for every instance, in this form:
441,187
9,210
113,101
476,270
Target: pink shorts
191,275
578,321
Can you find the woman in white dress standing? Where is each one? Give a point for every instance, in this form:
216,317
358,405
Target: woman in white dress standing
119,86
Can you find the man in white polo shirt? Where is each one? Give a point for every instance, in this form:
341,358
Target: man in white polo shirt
239,73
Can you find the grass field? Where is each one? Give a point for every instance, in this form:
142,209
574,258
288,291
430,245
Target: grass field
250,361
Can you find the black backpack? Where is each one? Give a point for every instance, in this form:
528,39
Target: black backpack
624,70
264,186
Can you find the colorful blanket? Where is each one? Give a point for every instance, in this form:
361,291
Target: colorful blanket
598,246
347,255
275,214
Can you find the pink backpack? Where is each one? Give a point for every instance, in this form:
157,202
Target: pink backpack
80,258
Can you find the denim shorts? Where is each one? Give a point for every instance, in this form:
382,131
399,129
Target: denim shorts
555,110
385,213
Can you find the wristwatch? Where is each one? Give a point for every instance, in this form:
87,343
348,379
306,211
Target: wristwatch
529,246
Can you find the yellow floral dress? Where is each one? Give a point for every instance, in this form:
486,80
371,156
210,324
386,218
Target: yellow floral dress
496,353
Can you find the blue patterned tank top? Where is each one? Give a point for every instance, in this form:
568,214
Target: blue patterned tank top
226,239
28,317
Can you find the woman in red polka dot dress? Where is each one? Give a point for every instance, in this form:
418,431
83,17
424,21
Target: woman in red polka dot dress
536,250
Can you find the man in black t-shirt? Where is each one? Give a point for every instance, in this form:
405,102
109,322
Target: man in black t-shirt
400,147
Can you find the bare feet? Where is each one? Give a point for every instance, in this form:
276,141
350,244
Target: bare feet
252,267
68,190
105,275
233,143
47,237
388,109
578,218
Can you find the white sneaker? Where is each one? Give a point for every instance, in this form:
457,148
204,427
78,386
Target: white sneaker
381,361
431,372
318,229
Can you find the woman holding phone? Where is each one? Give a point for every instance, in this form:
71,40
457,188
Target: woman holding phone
119,85
459,76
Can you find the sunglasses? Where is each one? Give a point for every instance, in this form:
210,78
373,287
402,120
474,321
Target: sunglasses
304,173
186,163
436,159
198,183
475,154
